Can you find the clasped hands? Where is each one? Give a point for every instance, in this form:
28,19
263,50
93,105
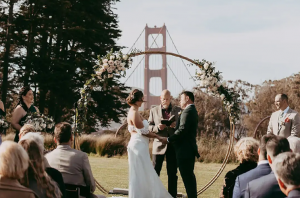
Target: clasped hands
164,140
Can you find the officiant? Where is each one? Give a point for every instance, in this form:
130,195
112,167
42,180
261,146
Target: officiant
162,120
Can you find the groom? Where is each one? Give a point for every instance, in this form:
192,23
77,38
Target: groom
184,141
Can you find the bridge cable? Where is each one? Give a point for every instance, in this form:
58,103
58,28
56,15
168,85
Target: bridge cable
144,56
136,41
181,59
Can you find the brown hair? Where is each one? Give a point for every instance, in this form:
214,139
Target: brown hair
36,169
63,132
134,96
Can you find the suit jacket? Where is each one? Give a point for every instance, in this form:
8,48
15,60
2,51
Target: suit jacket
287,129
264,187
154,120
73,164
242,180
184,137
10,188
294,193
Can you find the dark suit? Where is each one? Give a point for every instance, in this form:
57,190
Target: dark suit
294,193
184,141
264,187
242,180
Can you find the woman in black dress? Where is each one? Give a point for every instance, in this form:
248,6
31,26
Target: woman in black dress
24,106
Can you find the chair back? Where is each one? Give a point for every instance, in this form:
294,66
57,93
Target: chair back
75,191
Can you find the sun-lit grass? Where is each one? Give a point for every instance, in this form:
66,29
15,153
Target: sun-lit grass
113,173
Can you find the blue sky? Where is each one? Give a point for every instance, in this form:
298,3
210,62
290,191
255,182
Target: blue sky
252,40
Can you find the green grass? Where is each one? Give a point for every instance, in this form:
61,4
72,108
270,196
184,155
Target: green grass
113,173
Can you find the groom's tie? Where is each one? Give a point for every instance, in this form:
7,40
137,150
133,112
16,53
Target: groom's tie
279,118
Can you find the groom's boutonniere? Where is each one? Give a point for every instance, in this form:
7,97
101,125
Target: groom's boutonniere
179,113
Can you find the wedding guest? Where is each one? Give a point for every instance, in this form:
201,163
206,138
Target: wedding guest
26,129
287,169
286,121
24,106
246,152
263,168
159,150
2,113
270,189
73,164
294,144
36,177
14,162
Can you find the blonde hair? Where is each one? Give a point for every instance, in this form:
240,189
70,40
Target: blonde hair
246,149
36,169
13,160
26,129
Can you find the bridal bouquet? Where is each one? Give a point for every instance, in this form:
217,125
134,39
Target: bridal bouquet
41,122
3,123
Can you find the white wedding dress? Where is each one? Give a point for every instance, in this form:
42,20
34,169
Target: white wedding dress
143,180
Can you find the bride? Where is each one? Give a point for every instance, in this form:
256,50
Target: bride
143,180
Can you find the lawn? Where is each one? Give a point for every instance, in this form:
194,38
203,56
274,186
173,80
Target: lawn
113,173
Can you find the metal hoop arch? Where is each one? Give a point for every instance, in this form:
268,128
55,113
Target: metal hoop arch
232,126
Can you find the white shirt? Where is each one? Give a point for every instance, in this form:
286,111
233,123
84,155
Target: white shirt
262,162
285,111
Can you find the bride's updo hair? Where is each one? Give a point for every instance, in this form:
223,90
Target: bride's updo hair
134,96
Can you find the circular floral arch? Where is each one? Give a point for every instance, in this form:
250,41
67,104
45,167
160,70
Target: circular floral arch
116,63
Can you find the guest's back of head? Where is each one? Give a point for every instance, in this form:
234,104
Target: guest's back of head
63,132
263,145
26,129
13,160
277,145
246,149
287,169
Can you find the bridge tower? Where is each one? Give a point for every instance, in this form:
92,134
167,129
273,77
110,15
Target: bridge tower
150,73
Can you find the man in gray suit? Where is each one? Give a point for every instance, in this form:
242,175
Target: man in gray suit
73,164
159,150
286,121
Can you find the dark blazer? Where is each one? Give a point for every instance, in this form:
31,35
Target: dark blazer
184,137
294,193
242,180
231,176
264,187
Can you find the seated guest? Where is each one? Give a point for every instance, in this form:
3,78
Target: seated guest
14,162
294,144
287,169
26,129
52,172
36,177
73,164
246,152
267,186
263,168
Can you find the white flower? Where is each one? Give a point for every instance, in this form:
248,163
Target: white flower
112,57
123,68
111,62
117,62
202,72
101,70
104,60
118,57
219,84
105,66
98,73
222,96
220,77
224,83
214,88
123,64
206,65
125,57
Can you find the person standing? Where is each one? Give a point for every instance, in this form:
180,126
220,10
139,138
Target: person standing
159,150
285,122
184,140
24,106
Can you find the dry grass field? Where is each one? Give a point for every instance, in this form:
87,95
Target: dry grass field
113,173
